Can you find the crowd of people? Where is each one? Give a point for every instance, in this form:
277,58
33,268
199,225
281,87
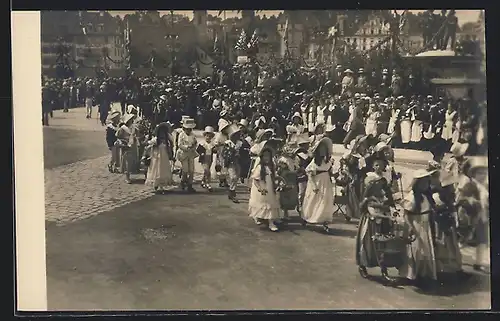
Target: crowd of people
344,104
256,134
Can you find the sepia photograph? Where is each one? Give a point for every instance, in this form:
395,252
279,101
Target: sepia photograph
264,160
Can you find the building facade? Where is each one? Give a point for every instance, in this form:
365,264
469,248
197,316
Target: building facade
91,39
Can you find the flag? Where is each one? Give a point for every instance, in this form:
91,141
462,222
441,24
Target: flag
332,31
254,40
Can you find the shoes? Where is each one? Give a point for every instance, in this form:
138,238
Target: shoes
257,221
232,197
272,226
190,189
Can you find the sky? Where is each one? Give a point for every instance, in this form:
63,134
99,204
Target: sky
464,16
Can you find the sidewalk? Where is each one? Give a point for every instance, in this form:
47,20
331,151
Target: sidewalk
75,119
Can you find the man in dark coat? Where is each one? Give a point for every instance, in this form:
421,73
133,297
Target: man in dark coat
104,102
451,30
46,105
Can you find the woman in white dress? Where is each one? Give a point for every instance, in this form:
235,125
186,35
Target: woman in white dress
417,126
318,200
392,121
420,261
406,124
320,112
264,199
159,174
447,133
311,117
371,120
347,125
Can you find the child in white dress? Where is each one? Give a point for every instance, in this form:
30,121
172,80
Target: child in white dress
264,200
318,200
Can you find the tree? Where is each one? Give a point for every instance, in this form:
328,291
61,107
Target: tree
469,27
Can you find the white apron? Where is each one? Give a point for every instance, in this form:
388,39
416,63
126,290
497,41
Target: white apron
416,131
406,125
447,133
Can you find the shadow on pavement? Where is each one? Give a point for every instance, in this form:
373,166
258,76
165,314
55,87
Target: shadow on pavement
453,286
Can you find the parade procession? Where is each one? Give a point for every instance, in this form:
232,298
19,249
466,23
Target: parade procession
313,142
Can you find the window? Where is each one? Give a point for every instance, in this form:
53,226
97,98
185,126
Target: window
364,47
372,31
364,40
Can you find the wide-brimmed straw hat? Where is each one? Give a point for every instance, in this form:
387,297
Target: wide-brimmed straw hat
132,109
243,122
189,123
258,149
325,140
297,115
232,130
114,115
459,149
209,130
349,71
128,117
262,133
222,124
418,175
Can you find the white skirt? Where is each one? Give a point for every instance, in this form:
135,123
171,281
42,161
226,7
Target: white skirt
392,126
406,127
447,133
429,133
371,127
416,131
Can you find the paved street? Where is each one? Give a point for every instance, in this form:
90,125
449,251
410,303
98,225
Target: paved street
111,245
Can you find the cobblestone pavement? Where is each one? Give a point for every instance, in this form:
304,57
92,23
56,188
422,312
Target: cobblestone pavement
83,189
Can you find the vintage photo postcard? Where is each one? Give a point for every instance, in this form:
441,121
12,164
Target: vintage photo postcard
251,160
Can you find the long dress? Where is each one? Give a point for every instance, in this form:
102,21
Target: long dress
416,130
160,168
377,188
406,129
266,207
446,248
320,114
347,125
318,207
371,123
311,119
392,121
420,260
447,133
